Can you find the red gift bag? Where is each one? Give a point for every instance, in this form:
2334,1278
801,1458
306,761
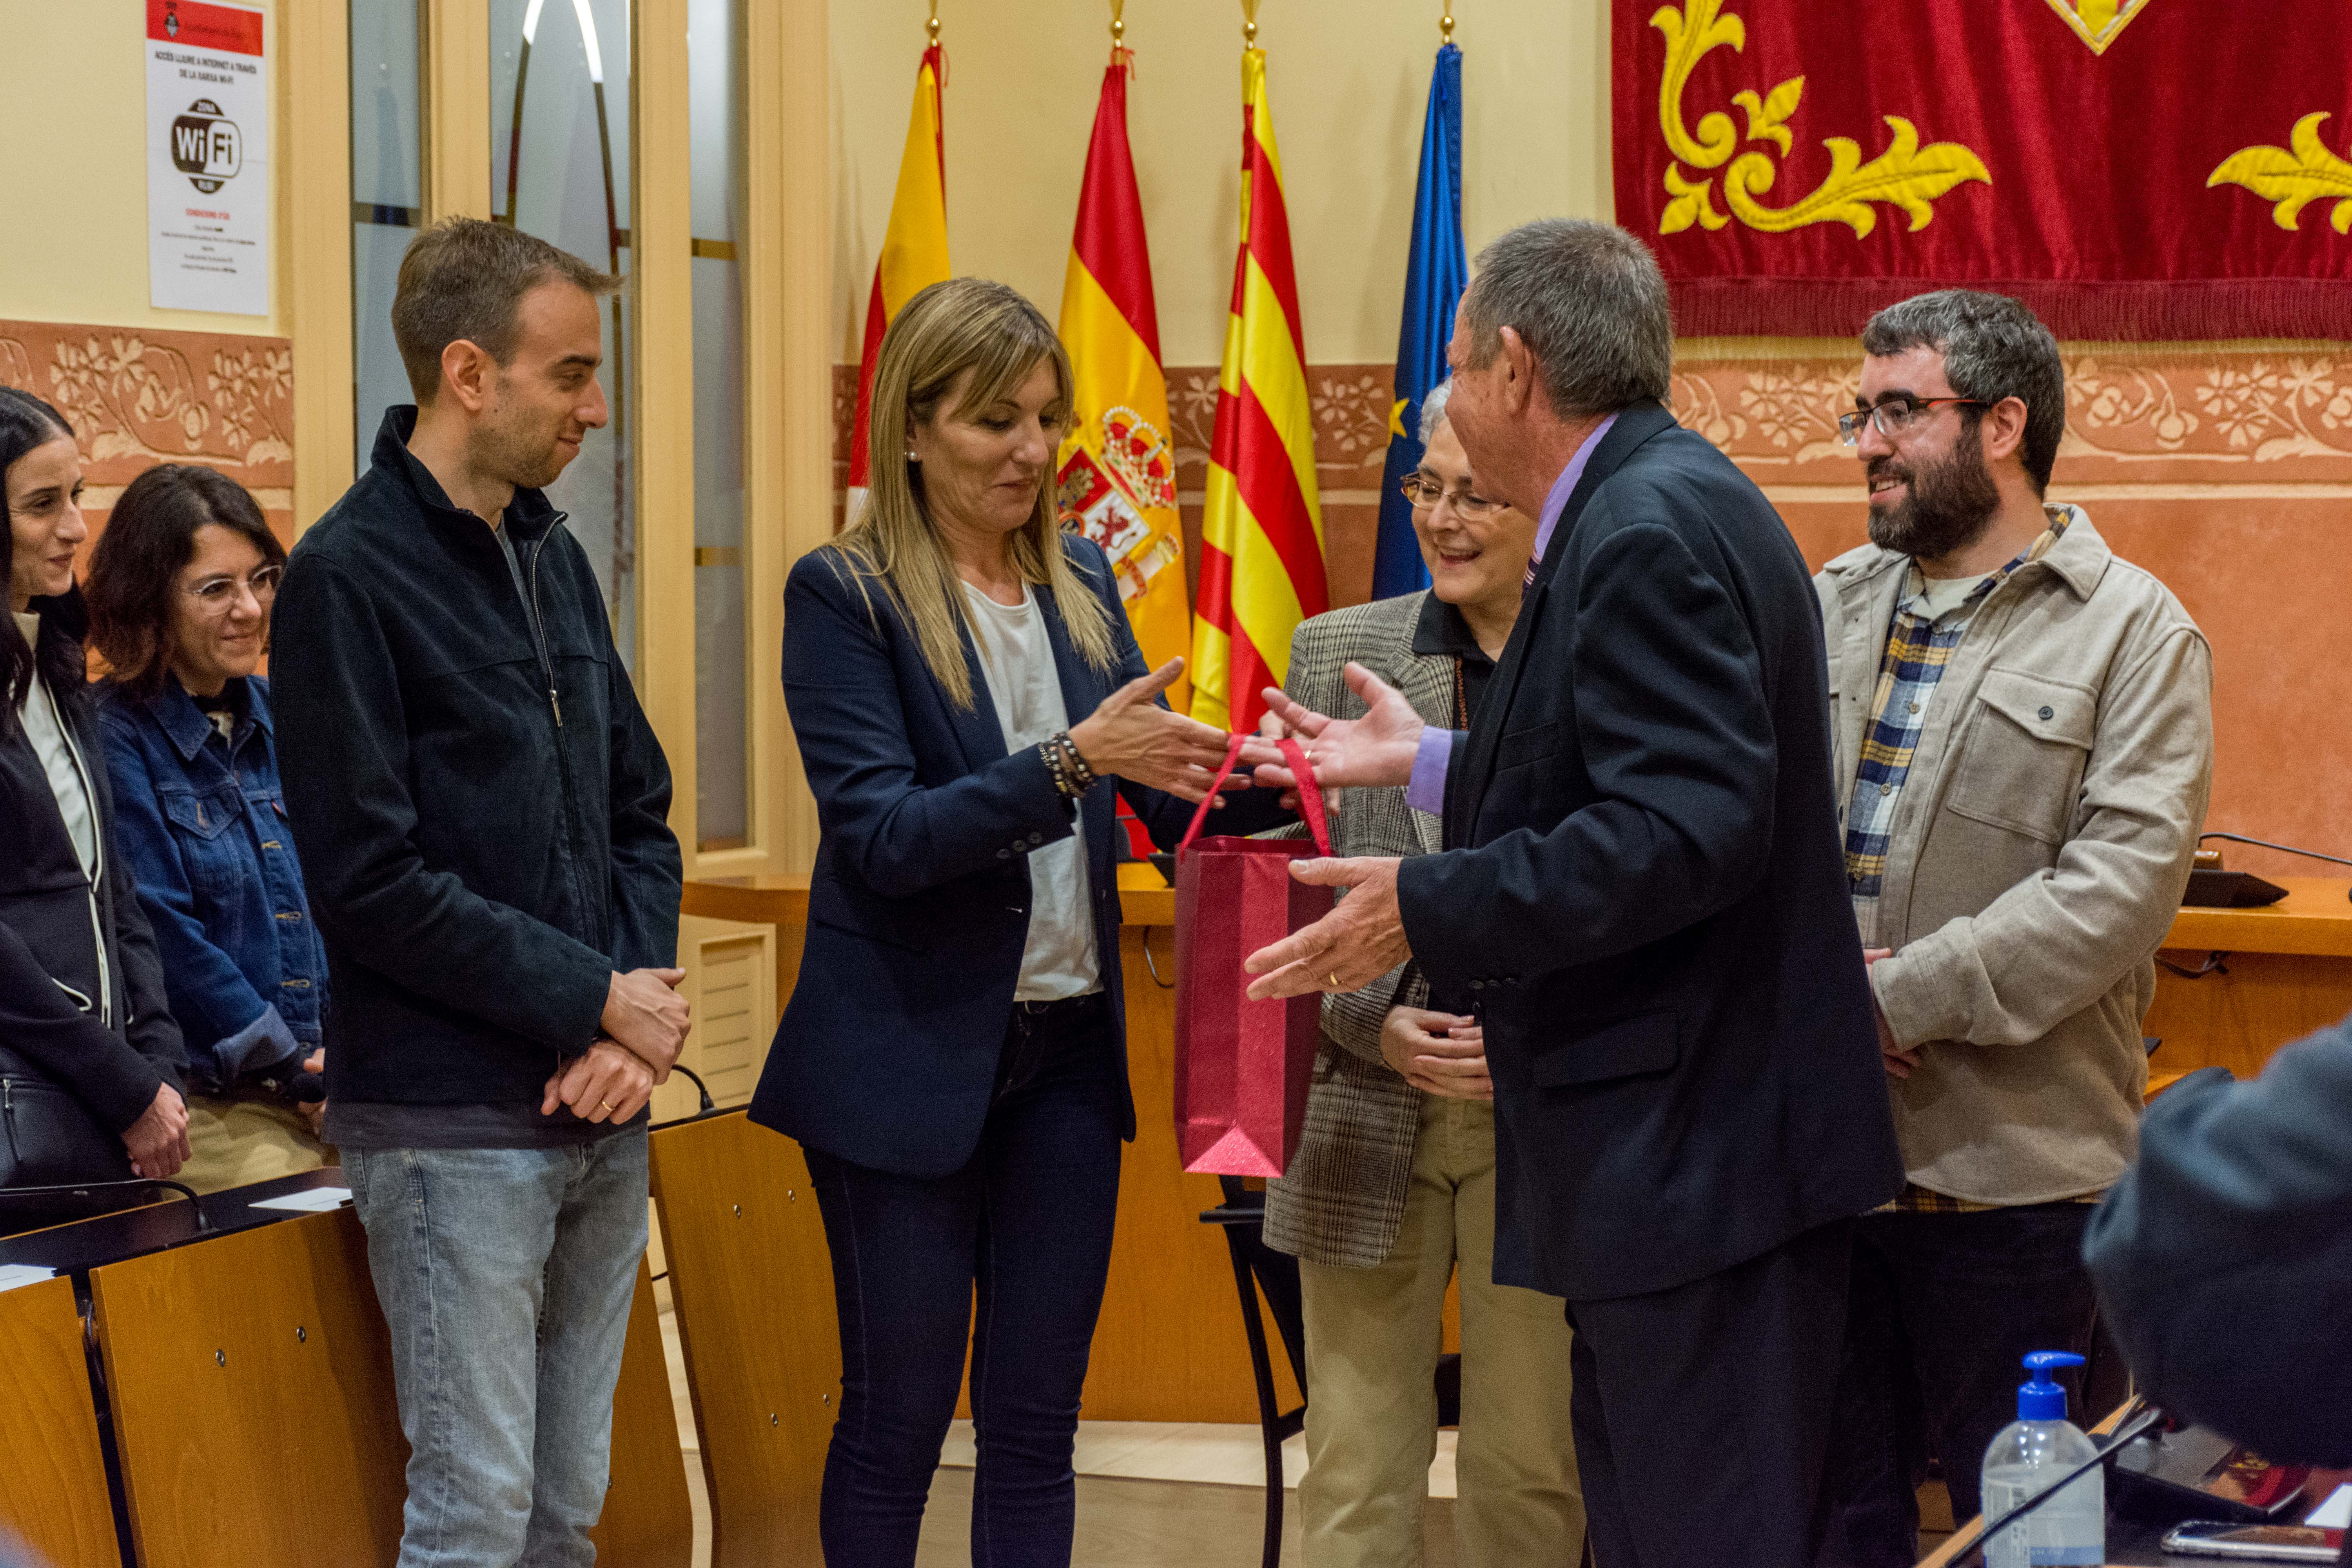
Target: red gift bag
1242,1067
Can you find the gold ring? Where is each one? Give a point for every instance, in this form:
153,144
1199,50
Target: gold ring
605,1103
1332,979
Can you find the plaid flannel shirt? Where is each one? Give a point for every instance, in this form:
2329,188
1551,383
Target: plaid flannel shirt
1917,650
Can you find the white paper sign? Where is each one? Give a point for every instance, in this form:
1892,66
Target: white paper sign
208,157
2336,1513
14,1273
317,1200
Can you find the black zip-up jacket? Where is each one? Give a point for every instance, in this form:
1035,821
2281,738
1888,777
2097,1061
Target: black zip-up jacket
52,1027
478,808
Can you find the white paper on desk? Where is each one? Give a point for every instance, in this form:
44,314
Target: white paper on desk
2336,1513
14,1273
318,1200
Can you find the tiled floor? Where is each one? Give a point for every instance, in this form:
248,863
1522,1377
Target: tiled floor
1137,1481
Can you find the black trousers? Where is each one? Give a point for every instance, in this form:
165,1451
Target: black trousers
1945,1308
1003,1261
1702,1413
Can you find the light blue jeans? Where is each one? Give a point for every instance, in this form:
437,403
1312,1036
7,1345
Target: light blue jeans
506,1276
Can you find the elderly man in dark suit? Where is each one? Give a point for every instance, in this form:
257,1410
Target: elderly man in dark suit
1642,891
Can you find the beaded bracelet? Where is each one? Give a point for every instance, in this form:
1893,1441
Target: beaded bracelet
1081,771
1057,770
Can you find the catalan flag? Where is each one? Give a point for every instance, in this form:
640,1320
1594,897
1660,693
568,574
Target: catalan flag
914,248
1261,526
1435,273
1118,468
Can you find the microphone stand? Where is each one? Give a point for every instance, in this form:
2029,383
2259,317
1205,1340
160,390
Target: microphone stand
89,1189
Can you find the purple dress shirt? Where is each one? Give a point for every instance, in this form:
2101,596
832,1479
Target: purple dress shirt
1426,791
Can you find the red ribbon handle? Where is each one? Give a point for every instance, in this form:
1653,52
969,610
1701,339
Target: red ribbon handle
1310,798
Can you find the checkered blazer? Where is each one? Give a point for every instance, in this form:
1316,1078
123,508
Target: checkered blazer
1342,1200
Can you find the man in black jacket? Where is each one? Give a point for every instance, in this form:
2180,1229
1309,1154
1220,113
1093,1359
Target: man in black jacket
478,805
1643,890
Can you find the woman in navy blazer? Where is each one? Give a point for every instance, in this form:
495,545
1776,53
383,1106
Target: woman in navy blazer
960,678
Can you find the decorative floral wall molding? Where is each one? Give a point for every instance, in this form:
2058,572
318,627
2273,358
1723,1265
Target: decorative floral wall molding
138,397
2288,415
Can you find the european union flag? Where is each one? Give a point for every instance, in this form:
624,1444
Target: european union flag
1435,276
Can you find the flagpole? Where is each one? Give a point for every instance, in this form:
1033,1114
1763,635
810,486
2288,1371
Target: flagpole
1249,24
1445,26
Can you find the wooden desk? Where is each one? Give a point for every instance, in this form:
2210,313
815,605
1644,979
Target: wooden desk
249,1378
2288,971
251,1381
52,1477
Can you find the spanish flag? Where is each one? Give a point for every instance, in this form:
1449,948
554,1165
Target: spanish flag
1261,526
914,248
1117,468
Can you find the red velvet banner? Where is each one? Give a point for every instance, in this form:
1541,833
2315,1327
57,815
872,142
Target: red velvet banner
2132,169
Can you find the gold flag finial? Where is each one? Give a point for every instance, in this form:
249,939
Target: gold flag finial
1249,24
1118,24
1445,24
933,24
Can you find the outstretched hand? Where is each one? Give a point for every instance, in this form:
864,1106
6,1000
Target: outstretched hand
1131,736
1376,749
1360,940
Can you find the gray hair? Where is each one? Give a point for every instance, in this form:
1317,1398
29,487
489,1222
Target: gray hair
1993,348
1589,303
1433,409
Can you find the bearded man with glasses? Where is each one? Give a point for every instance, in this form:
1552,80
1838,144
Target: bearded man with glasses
2025,746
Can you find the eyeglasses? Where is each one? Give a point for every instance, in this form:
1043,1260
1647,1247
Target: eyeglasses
214,595
1895,416
1425,494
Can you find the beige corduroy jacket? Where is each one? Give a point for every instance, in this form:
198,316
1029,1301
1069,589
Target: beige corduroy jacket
2039,851
1341,1203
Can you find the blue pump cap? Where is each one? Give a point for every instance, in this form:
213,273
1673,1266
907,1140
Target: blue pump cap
2041,1399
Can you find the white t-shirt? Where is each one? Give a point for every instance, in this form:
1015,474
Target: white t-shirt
1058,959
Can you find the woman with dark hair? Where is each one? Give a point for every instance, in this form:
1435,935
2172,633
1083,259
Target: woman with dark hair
180,592
89,1057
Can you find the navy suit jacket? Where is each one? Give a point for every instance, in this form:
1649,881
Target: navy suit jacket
1644,890
918,905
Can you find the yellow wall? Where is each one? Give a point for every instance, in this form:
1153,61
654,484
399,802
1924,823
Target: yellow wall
75,188
1350,82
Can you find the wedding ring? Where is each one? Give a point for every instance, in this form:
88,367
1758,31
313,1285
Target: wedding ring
1332,979
605,1103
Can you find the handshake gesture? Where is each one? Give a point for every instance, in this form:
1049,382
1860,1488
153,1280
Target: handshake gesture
638,1038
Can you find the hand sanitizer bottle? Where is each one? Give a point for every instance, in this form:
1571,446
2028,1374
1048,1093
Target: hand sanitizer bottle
2031,1454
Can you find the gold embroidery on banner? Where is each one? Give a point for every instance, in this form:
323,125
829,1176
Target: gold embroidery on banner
1691,34
2098,23
2292,180
1905,174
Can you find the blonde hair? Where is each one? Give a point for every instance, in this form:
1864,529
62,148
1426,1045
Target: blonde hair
964,324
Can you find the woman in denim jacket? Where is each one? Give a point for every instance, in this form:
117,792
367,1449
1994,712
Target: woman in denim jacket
180,591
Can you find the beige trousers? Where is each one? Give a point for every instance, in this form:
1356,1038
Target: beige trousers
1372,1343
233,1142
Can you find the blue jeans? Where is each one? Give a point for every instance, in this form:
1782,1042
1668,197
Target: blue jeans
1025,1225
506,1276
